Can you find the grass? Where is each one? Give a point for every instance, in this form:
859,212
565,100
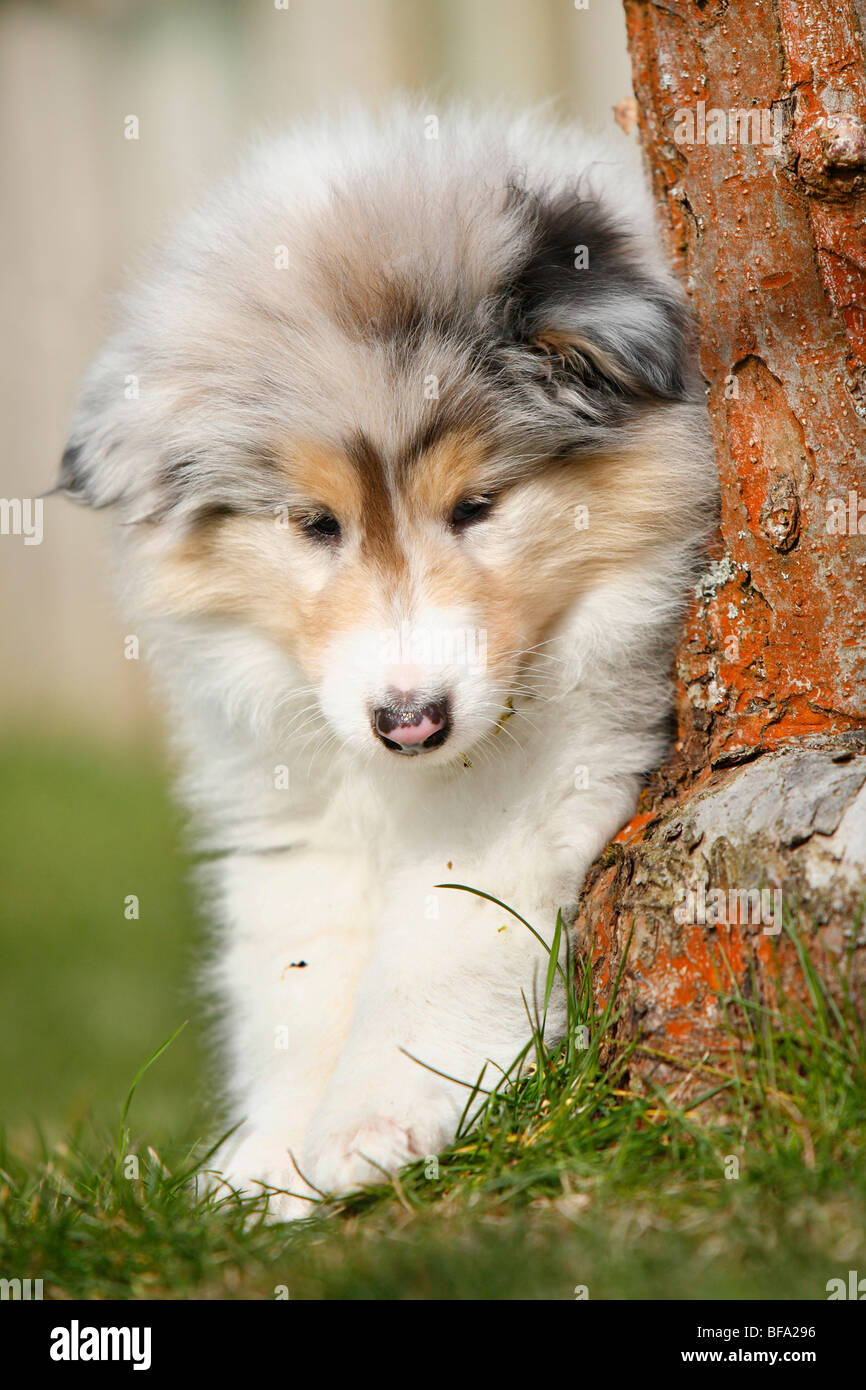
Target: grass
568,1179
85,991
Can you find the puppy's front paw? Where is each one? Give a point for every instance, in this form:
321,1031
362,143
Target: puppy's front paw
363,1153
366,1148
259,1168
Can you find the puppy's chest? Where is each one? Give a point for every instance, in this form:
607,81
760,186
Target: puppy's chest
464,819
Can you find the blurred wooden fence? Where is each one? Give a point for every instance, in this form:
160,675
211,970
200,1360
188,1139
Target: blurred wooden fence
81,202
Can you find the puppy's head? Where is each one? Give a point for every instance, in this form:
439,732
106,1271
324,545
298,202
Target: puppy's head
398,429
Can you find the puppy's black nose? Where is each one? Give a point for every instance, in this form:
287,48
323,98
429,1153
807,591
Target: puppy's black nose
408,726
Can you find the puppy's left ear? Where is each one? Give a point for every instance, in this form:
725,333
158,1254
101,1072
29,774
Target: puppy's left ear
106,460
586,297
71,482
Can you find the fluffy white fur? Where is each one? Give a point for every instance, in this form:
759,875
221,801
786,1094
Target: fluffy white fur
341,1065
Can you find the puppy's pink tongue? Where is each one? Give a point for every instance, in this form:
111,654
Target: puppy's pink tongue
414,733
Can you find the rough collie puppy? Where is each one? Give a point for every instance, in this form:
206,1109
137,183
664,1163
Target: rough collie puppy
411,477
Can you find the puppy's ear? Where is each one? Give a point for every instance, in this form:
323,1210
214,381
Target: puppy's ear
72,482
582,298
104,462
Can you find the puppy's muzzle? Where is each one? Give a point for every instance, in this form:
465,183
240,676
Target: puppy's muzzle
408,726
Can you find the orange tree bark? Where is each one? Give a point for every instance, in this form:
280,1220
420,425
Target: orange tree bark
762,191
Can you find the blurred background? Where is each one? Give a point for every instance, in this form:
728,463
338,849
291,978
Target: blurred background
86,992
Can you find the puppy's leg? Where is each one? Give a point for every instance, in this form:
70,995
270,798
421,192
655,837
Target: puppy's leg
443,995
295,950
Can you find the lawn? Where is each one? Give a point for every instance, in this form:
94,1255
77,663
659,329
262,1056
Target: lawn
567,1183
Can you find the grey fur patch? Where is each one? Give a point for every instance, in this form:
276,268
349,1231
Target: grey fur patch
406,265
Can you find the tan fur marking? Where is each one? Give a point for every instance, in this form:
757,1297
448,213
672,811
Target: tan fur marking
519,574
454,467
325,476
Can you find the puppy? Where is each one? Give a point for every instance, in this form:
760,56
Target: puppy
411,475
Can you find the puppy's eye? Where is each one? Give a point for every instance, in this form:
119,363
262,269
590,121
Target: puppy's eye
323,526
469,510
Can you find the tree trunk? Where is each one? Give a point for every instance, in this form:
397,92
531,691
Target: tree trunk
753,120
